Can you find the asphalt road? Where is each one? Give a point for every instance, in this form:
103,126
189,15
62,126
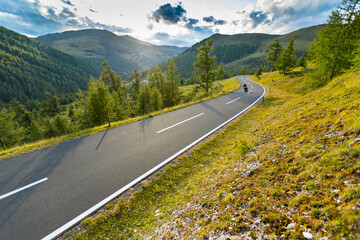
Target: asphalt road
72,177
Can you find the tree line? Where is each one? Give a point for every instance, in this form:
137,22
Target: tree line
334,51
107,99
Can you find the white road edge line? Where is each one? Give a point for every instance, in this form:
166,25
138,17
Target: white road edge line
180,123
22,188
233,100
148,173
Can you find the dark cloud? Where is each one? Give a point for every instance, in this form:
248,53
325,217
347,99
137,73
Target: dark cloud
161,36
51,11
211,19
67,2
258,17
169,14
204,30
66,13
220,22
190,23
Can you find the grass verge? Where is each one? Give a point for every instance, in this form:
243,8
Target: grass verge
227,86
289,168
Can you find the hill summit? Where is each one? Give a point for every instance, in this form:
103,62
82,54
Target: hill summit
123,53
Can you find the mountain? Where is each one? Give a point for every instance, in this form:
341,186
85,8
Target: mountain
239,50
29,68
123,53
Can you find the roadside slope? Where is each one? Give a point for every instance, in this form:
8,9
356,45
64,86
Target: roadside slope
289,167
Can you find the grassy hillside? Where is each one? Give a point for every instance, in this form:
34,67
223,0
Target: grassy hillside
237,51
123,53
29,68
289,168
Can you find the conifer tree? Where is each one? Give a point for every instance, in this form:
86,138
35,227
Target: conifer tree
243,71
110,78
356,60
252,71
135,79
22,116
158,79
205,65
50,106
287,59
100,103
143,100
156,100
259,72
171,72
275,50
234,72
221,73
10,131
302,61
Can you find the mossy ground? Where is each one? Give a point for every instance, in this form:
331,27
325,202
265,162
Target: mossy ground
225,86
288,167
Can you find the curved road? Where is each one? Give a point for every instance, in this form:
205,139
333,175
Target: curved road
42,191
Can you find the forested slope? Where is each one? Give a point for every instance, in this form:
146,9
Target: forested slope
239,50
29,68
123,53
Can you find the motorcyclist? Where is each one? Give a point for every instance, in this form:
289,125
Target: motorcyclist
245,87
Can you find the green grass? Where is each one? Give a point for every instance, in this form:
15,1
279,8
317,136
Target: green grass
229,85
290,160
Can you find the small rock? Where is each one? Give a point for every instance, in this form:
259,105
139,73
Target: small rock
257,221
290,226
307,235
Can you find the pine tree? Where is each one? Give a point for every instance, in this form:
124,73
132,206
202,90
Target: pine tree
356,60
156,100
170,91
135,79
110,78
259,72
143,100
50,106
287,59
171,72
60,125
158,80
10,132
243,71
252,71
234,72
275,50
100,103
302,61
221,73
205,65
22,116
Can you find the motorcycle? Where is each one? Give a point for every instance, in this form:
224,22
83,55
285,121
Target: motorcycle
245,88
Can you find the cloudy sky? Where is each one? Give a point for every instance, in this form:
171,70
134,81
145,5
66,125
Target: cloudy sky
164,22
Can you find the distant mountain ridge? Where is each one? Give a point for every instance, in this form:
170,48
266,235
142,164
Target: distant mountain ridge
29,68
239,50
123,53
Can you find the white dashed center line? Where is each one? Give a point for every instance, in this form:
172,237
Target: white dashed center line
180,123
